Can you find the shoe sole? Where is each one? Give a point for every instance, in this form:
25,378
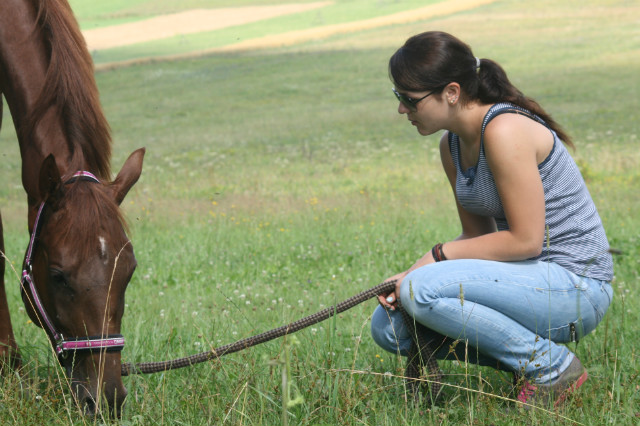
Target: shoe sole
572,388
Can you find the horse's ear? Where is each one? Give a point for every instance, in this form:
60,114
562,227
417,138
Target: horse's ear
128,175
50,184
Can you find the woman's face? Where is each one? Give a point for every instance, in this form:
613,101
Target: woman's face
424,110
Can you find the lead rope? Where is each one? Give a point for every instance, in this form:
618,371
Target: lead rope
421,355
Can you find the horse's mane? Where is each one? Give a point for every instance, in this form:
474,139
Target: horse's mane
70,85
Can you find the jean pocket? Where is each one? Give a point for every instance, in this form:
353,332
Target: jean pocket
599,296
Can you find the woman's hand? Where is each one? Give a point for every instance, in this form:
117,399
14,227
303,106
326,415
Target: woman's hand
390,300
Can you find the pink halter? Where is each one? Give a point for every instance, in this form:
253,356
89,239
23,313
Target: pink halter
62,346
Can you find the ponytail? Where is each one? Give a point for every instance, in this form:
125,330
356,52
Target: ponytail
494,86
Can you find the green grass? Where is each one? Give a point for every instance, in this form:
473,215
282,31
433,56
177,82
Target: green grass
92,14
337,12
279,182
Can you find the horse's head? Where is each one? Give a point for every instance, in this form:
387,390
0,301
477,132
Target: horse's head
80,263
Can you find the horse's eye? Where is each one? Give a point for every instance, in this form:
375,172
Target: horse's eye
57,278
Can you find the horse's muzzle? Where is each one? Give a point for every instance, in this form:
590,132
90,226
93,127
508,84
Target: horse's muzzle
97,385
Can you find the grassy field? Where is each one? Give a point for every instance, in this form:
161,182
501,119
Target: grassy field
336,12
279,182
94,15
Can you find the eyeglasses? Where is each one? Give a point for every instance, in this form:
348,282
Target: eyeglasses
408,101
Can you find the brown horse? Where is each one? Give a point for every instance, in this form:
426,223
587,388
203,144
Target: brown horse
80,260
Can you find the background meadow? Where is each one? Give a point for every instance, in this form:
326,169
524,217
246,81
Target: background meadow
278,182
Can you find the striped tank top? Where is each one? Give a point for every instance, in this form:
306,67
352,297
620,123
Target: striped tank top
576,239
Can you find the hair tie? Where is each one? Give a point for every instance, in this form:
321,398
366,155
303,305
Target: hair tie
477,62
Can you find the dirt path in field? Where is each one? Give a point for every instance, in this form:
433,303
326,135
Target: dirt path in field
188,22
200,20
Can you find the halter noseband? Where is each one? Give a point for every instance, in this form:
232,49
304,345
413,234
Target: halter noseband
62,346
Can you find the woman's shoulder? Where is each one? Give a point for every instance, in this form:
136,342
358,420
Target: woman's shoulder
505,120
508,124
517,133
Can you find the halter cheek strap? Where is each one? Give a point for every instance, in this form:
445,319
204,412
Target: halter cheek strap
62,346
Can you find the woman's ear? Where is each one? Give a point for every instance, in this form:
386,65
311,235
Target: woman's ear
451,93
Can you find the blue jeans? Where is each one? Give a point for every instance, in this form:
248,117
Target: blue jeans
508,315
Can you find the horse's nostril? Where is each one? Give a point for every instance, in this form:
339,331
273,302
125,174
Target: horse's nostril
89,406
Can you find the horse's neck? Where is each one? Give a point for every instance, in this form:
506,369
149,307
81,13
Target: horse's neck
23,69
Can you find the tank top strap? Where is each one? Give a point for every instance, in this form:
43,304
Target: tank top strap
494,111
503,108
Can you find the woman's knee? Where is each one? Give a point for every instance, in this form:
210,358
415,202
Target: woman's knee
423,287
417,289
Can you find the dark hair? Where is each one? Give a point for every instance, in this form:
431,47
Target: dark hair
431,60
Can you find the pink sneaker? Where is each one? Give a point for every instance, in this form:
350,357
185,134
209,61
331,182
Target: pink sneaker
542,395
